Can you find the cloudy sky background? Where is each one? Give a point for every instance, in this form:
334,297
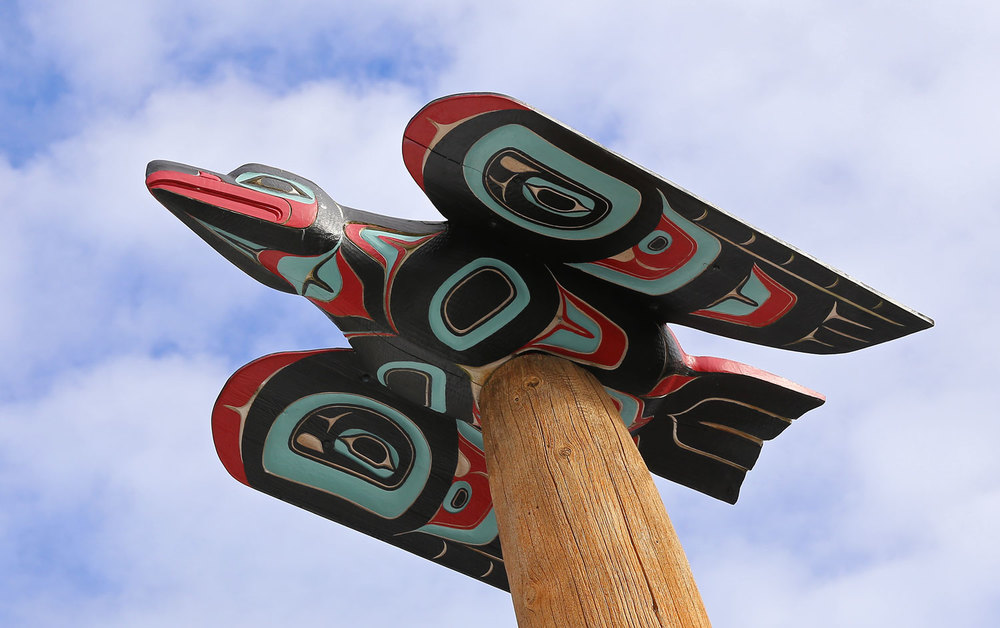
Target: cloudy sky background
864,133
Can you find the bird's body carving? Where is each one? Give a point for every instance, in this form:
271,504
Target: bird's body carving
552,244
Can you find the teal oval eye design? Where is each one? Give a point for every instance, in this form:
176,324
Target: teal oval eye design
500,294
276,186
458,497
655,242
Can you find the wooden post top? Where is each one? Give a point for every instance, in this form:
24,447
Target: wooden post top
586,539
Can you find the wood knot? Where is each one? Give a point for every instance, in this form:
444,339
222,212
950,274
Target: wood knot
530,595
532,382
565,452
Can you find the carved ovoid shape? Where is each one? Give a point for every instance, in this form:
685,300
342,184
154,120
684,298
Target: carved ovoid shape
553,244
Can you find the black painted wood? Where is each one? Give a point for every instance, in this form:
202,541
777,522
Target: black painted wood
553,244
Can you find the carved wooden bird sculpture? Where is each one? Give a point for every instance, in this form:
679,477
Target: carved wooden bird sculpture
552,244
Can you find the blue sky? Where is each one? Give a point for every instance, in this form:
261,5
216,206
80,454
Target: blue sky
864,133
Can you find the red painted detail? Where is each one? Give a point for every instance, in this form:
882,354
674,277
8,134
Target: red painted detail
641,421
269,259
211,189
613,341
481,501
350,301
433,121
234,401
651,266
303,214
668,385
706,364
353,232
779,301
366,334
703,365
414,156
402,246
477,417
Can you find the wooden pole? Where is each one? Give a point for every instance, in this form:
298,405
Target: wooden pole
586,539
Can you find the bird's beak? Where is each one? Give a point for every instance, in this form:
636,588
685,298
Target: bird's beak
258,197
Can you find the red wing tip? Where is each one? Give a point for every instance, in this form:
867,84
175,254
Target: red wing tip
451,109
707,364
423,128
234,401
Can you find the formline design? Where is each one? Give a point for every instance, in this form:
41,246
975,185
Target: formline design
552,244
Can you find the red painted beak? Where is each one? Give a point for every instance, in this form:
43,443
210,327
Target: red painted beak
210,188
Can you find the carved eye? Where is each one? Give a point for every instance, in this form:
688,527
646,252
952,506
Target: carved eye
357,440
658,243
554,199
275,185
370,450
460,499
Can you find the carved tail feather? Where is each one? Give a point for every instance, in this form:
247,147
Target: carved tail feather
708,425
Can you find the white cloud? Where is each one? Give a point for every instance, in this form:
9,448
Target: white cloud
108,267
166,536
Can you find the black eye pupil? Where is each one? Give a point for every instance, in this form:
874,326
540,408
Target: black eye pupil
555,200
370,449
460,499
658,243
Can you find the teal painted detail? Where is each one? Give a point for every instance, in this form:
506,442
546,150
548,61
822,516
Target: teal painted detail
754,290
390,253
471,434
437,378
280,460
706,250
624,198
576,342
342,446
450,496
645,242
315,277
482,534
308,195
630,406
489,327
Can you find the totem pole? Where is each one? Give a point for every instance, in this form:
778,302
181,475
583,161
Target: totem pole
534,316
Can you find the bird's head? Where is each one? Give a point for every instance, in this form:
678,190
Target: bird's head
252,216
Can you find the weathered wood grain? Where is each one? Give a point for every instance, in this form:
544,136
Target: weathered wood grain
585,536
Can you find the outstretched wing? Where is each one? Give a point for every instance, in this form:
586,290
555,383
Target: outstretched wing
493,164
707,425
315,430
